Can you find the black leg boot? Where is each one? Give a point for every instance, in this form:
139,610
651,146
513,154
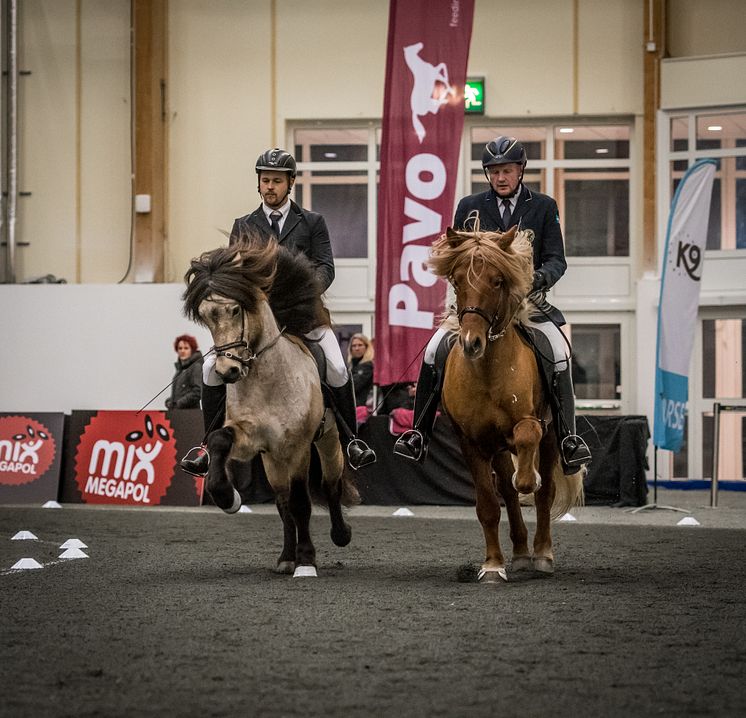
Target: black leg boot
574,452
213,416
359,454
413,444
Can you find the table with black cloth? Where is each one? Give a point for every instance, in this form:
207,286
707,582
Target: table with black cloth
616,475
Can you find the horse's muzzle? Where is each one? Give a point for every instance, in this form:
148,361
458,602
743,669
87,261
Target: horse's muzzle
230,375
473,345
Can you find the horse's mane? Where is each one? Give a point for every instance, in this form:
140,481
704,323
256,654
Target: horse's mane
251,269
512,258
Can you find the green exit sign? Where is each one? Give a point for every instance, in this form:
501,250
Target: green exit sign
474,96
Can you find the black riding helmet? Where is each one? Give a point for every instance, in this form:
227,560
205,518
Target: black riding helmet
502,151
277,160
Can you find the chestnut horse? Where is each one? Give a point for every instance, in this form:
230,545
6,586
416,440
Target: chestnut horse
257,299
495,397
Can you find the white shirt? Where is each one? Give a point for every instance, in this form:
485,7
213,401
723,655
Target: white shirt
284,210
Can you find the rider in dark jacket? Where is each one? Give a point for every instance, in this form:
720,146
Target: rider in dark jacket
302,231
506,203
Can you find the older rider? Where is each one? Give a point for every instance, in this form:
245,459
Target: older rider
300,230
506,203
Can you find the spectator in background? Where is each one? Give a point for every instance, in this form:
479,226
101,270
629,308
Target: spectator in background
187,384
360,361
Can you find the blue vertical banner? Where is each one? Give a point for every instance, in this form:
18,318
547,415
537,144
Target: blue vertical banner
683,258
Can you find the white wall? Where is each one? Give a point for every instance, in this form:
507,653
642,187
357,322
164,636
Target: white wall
68,346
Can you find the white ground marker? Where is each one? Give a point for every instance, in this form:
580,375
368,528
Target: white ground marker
688,521
51,505
568,517
245,510
73,543
403,512
73,553
25,563
24,536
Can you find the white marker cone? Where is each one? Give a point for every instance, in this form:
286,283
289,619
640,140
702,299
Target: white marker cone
688,521
25,563
305,572
24,536
51,505
245,510
73,553
568,517
73,543
403,512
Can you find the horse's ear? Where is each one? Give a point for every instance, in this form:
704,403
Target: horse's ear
453,237
506,239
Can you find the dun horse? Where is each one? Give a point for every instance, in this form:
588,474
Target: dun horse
257,300
494,395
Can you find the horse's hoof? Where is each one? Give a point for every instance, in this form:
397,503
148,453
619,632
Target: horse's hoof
341,535
286,567
543,565
305,571
491,575
521,563
236,505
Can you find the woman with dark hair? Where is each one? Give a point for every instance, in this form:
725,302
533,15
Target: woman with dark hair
187,384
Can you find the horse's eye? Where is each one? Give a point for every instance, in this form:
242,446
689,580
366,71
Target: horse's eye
234,311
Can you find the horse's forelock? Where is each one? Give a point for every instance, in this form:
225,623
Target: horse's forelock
464,248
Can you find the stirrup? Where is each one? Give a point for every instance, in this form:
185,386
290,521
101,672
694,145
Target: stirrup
574,452
404,445
364,455
198,465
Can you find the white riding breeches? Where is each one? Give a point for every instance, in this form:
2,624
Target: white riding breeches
560,349
557,340
336,369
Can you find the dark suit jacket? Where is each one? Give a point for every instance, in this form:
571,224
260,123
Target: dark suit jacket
303,231
535,211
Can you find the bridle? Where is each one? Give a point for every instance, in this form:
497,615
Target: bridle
492,332
222,349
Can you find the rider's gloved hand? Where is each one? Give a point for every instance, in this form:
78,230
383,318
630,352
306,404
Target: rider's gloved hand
540,281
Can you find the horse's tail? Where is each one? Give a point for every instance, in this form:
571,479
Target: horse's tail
568,491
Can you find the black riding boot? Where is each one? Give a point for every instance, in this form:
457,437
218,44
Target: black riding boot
359,454
413,444
574,452
213,416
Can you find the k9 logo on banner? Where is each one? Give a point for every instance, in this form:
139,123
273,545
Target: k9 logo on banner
27,449
125,457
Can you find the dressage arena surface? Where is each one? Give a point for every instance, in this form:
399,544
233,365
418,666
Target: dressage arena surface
178,613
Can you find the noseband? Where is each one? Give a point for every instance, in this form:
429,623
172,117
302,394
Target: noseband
492,335
222,349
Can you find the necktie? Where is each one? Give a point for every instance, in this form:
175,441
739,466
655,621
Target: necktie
506,213
275,217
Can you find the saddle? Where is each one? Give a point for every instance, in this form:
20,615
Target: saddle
542,349
318,355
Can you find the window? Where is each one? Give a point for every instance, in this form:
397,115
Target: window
586,168
336,174
720,136
596,361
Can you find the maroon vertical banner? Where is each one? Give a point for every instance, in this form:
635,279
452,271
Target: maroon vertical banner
423,117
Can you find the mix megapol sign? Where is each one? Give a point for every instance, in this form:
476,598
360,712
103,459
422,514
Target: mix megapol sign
30,455
130,458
